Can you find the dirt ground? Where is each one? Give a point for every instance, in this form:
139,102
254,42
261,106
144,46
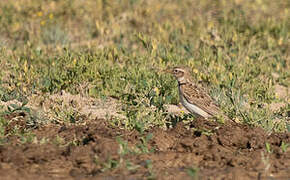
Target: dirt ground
91,151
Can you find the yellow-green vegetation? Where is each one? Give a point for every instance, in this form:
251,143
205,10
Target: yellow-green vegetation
239,49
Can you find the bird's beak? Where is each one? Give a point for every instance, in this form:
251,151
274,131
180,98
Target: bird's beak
166,71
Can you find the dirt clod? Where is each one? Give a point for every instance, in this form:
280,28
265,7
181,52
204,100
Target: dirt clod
91,151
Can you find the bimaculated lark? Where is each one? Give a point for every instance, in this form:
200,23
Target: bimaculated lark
193,97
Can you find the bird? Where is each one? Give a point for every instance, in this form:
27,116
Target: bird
193,97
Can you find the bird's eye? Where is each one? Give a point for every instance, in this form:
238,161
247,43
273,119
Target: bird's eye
175,71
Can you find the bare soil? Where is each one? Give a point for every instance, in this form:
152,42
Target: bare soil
91,151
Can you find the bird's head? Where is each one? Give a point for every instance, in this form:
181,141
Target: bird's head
180,73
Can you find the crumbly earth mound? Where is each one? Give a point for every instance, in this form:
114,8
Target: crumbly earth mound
92,150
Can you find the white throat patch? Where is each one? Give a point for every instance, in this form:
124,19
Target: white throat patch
180,79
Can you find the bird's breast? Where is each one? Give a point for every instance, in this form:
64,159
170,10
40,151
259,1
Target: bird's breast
194,109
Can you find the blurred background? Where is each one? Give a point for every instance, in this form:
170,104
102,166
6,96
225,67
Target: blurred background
105,22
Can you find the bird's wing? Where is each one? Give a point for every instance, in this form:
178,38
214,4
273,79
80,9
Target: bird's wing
198,96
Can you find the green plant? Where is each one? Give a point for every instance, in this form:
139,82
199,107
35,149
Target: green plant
58,140
140,148
3,124
284,146
27,137
32,119
143,146
266,161
149,166
110,164
192,172
14,108
268,147
131,167
123,147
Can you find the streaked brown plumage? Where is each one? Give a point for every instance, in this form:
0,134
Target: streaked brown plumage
193,97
